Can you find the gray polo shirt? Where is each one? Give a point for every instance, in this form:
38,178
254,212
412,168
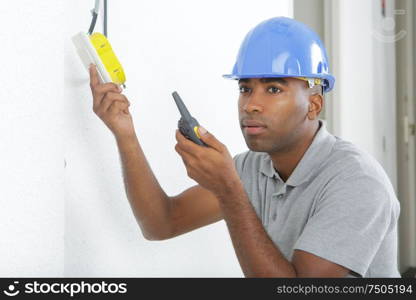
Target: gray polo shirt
338,204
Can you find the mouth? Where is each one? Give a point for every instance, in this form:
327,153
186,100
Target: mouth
252,127
253,130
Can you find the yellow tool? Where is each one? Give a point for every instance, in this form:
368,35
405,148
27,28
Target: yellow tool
96,49
108,57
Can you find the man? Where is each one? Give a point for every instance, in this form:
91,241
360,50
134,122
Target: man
301,202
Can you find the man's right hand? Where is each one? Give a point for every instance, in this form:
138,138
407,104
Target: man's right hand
111,106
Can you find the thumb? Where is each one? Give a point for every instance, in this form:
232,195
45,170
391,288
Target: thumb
209,139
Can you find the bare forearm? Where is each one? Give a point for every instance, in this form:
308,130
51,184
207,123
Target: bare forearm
149,202
256,252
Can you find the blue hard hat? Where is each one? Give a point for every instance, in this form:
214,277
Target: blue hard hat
282,47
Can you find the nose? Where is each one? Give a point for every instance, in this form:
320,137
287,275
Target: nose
252,102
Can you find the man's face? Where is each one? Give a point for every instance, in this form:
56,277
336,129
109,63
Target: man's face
272,112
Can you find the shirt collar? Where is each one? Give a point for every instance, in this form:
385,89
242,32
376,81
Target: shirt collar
317,152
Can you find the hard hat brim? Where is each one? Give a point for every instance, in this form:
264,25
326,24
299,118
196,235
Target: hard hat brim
328,79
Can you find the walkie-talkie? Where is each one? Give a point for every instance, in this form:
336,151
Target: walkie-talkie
187,125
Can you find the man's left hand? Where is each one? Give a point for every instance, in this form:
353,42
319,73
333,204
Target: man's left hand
212,167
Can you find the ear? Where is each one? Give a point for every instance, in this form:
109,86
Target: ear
316,101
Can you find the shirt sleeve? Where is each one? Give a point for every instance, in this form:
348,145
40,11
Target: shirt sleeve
349,222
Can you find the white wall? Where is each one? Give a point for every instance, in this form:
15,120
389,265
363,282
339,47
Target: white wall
31,148
406,107
163,46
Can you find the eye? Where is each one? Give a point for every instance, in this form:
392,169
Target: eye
243,89
274,90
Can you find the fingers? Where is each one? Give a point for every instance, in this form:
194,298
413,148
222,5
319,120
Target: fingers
118,106
109,98
94,81
186,157
108,101
206,137
185,144
209,139
107,87
99,90
180,151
